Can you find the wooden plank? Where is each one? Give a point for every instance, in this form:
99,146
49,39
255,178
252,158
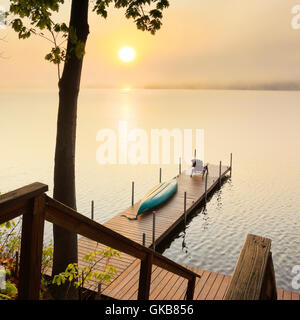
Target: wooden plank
208,284
223,287
163,284
215,287
248,276
31,251
16,210
200,284
279,294
287,295
171,281
179,281
122,280
30,191
181,292
295,296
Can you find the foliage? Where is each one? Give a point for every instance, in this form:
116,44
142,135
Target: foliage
35,17
10,243
78,276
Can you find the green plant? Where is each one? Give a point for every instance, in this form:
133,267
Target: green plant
79,276
10,244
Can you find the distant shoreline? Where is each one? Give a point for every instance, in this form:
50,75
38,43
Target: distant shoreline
164,88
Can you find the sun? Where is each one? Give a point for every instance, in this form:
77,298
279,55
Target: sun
127,54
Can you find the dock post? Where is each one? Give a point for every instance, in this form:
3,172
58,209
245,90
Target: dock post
144,239
159,175
132,193
230,164
98,295
153,231
184,207
179,166
206,187
220,174
92,210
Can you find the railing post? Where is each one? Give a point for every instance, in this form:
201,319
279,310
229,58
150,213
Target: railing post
230,164
132,193
179,169
206,186
144,239
159,175
92,210
190,289
184,207
31,251
153,231
145,278
220,174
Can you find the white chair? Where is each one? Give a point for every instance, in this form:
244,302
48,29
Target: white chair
198,168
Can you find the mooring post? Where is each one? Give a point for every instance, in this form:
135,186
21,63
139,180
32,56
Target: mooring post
230,164
92,210
220,174
132,193
144,239
206,186
184,210
98,295
179,166
159,175
153,232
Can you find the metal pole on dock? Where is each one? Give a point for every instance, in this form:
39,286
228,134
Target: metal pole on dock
144,239
230,164
184,210
159,175
132,193
179,166
99,291
153,231
206,186
220,174
92,210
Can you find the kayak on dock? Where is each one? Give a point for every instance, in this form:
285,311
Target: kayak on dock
158,195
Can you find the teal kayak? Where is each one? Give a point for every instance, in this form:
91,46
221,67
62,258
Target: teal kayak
158,195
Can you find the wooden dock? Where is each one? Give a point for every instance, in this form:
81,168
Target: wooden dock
164,284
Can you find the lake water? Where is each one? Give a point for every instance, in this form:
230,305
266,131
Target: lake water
260,128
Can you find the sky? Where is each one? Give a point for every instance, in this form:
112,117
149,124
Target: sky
203,43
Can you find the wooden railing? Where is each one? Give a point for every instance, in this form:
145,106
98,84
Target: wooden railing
253,277
36,207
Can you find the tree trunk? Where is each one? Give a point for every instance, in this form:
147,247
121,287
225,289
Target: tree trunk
65,242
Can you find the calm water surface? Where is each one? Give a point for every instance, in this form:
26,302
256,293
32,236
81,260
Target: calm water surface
260,128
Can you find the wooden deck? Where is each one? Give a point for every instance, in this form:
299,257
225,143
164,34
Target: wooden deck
164,285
